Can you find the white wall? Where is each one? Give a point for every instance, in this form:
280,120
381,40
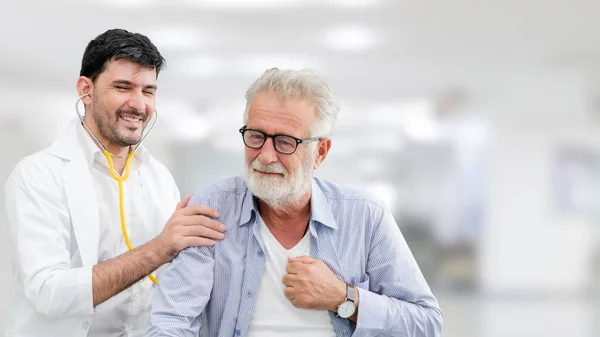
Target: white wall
528,247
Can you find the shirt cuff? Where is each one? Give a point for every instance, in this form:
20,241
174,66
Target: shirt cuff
86,295
372,313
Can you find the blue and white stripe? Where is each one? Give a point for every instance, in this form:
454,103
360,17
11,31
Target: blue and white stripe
355,235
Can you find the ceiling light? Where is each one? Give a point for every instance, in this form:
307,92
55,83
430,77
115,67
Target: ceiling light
202,66
354,3
176,38
257,64
130,3
281,3
244,3
352,38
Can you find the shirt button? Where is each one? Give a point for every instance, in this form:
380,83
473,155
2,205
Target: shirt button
238,332
249,293
260,252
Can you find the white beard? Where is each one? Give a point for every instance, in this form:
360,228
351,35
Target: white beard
279,191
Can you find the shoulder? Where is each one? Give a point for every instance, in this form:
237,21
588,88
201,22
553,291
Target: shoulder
159,170
226,187
156,165
348,195
42,162
36,170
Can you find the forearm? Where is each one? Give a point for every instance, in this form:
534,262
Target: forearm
117,274
386,316
182,294
395,299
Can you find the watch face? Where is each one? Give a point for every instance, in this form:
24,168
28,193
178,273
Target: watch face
346,309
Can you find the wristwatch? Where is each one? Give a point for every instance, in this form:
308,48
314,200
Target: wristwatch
348,307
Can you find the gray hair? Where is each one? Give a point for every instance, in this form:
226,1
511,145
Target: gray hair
302,84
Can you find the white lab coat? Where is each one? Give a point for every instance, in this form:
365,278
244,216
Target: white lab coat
52,213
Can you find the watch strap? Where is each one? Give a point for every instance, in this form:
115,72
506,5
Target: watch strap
350,293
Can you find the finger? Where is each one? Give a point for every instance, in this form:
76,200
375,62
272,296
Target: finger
289,280
302,259
293,268
204,232
201,220
183,202
193,241
198,209
289,292
297,303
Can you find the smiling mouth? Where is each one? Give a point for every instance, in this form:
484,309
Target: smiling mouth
269,173
132,122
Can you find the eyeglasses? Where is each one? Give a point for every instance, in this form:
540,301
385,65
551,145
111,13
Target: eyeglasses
284,144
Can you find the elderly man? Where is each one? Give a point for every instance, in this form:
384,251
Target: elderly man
302,256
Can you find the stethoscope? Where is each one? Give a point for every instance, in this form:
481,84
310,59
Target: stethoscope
119,179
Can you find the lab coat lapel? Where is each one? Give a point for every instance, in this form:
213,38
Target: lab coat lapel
83,206
80,194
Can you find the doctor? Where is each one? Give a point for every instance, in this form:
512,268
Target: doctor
73,274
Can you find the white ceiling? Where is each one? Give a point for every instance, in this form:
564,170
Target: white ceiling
371,51
418,44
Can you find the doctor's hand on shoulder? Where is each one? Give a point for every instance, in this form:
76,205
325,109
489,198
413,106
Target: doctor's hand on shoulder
191,225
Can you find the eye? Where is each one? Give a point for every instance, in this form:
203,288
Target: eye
285,141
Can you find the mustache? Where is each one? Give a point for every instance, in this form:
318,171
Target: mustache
142,116
271,168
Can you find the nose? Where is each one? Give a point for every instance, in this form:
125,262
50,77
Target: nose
267,154
137,102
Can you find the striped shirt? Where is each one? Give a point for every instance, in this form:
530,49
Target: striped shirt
354,234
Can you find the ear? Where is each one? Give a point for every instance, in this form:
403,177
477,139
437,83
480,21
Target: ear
322,151
85,86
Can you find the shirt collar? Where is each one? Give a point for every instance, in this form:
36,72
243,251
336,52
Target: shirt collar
92,152
319,208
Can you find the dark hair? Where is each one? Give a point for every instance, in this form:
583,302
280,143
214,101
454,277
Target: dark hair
119,44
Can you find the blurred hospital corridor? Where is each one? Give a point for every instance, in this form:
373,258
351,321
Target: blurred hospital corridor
478,123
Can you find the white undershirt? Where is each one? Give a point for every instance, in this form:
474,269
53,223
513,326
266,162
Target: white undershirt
274,314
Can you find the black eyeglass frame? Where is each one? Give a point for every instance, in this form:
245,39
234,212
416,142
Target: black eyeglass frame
298,141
